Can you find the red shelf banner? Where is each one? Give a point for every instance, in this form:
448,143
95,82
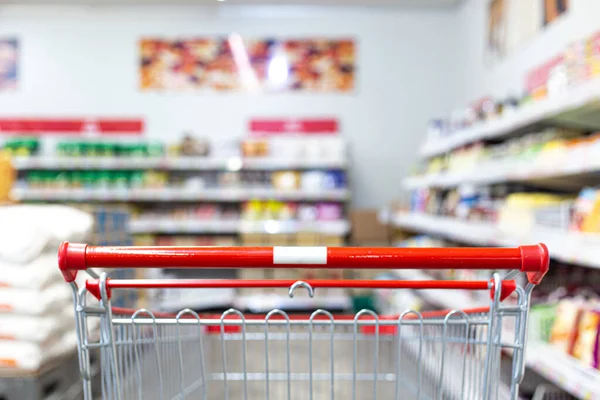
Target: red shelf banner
276,126
70,126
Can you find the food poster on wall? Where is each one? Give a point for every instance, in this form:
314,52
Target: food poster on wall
553,9
234,63
497,30
9,58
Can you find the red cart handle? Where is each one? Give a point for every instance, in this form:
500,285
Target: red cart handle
93,285
73,257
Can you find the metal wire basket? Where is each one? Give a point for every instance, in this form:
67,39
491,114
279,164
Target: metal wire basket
438,355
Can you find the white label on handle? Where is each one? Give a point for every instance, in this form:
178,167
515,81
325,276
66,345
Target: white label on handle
299,255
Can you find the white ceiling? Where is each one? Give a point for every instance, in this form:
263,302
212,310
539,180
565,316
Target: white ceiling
399,3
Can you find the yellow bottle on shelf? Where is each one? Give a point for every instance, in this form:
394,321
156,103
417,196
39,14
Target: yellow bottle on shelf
7,176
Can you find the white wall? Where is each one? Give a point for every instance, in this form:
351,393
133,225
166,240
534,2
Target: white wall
479,77
82,61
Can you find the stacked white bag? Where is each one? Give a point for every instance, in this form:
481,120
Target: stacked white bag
36,309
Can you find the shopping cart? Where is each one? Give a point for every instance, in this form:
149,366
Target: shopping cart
452,354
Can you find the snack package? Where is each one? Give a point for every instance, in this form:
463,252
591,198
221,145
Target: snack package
313,180
564,330
286,180
329,211
588,334
307,212
586,211
253,210
541,320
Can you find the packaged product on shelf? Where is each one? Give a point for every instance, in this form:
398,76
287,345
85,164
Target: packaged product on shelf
576,65
436,129
329,211
421,241
252,210
144,240
287,211
553,152
510,105
192,183
230,212
333,149
334,180
155,149
229,179
547,79
564,330
255,148
587,345
136,180
286,180
193,146
517,214
21,147
313,180
307,212
272,210
62,180
419,199
586,211
121,179
156,180
89,179
541,320
8,175
436,165
468,200
288,148
593,55
256,179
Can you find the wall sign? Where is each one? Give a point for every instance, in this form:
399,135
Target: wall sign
234,63
9,61
70,126
305,126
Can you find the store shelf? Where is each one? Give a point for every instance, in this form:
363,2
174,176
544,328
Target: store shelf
261,303
163,225
335,228
159,225
170,163
564,371
561,369
570,106
497,172
176,194
450,299
196,299
577,248
480,234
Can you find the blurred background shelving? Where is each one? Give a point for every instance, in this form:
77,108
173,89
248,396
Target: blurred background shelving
504,173
405,123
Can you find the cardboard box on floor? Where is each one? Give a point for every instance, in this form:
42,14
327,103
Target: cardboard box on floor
368,231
